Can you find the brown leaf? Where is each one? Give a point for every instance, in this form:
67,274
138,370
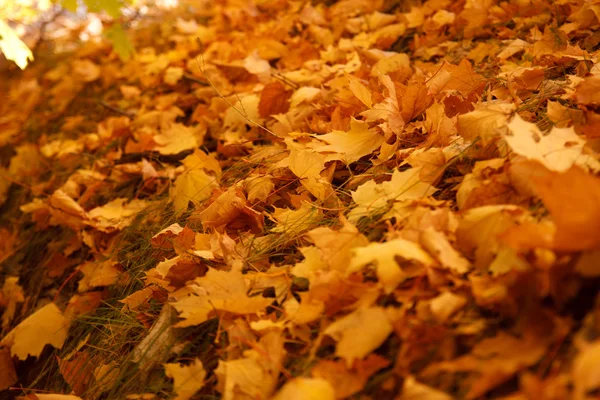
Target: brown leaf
78,372
8,374
274,99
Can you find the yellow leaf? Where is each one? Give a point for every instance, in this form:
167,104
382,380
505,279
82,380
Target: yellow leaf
304,162
336,246
359,333
487,122
413,390
86,70
255,375
372,197
258,188
201,160
12,293
45,326
360,91
558,151
312,262
115,215
97,274
178,137
390,274
173,75
350,146
4,185
188,378
446,304
14,49
51,396
218,291
294,222
437,244
193,185
394,63
306,389
303,94
224,209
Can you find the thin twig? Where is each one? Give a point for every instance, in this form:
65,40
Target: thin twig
195,79
117,110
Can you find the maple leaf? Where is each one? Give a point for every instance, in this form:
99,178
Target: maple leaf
352,145
557,151
116,214
295,222
121,44
193,185
10,296
372,197
437,244
588,91
77,371
96,274
12,47
45,326
390,274
274,99
360,91
8,374
359,333
230,207
49,396
255,375
413,390
258,188
177,138
571,197
486,122
446,304
480,228
388,110
490,366
306,388
86,70
345,381
5,184
217,291
584,373
336,246
188,378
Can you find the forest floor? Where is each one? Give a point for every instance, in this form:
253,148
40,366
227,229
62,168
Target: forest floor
279,199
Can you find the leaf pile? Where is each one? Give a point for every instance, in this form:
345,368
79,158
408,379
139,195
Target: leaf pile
273,199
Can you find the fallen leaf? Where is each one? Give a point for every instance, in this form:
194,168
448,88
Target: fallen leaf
45,326
352,145
188,379
557,151
372,198
306,388
389,273
255,374
11,295
217,291
8,374
359,333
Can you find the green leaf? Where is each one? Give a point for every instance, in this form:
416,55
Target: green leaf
14,49
70,5
120,42
112,7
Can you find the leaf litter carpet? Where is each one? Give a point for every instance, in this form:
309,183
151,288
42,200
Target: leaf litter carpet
279,199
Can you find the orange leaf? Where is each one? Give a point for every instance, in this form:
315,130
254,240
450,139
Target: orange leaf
274,99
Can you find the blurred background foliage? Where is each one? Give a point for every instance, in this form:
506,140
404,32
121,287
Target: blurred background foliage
25,23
